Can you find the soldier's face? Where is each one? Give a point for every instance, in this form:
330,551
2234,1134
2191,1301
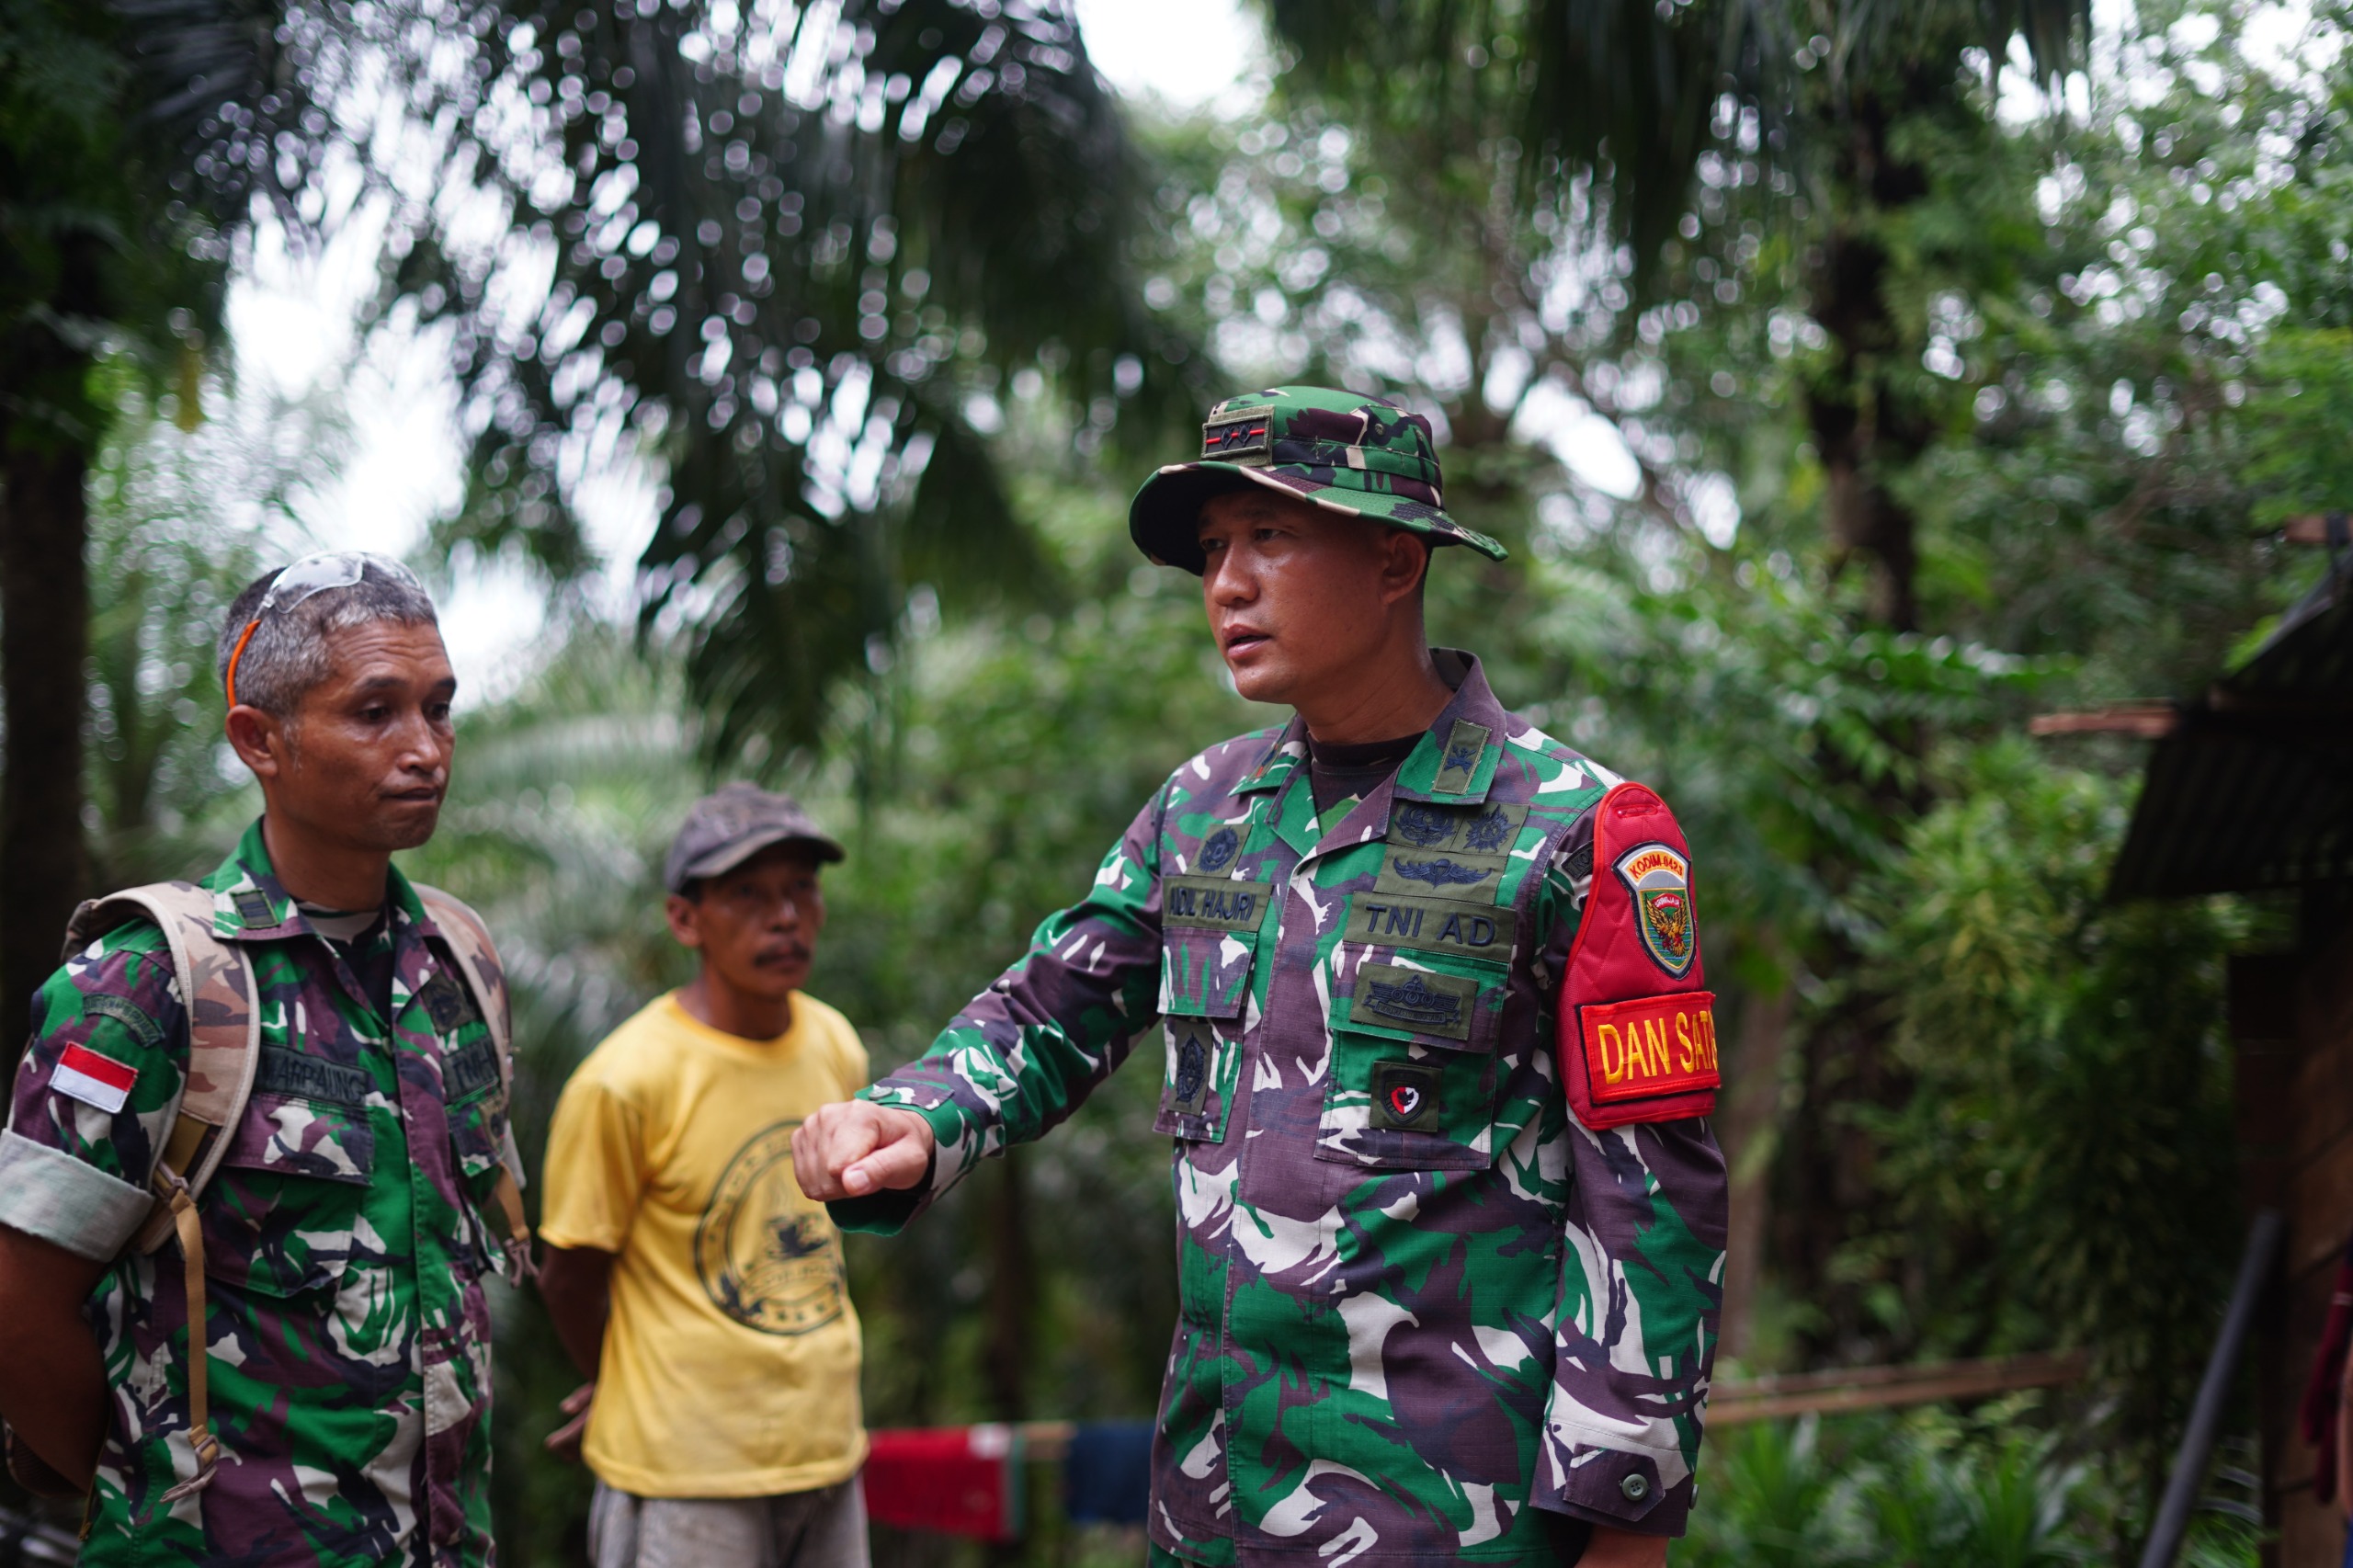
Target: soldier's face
756,926
1300,599
365,762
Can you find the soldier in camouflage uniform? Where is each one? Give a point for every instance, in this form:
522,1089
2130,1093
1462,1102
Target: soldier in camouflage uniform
343,1240
1435,1060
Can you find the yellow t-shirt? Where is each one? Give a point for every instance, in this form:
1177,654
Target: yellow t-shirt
731,1354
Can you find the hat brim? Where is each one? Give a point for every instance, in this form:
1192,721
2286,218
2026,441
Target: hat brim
719,862
1164,517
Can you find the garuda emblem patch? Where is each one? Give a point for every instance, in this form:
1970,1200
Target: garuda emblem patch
1660,881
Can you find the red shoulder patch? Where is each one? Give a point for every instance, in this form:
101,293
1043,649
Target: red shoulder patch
1637,1026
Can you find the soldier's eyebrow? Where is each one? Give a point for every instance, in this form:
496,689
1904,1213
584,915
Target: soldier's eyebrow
376,685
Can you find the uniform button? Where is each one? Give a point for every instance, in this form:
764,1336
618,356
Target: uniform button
1636,1487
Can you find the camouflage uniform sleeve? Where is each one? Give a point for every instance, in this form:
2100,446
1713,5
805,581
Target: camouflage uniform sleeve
1641,1289
1027,1051
72,1171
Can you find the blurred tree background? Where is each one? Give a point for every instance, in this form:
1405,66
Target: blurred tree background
1850,380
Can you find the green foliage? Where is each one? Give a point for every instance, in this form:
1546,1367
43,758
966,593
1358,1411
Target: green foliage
2064,1164
1876,1491
1993,1487
794,261
2298,410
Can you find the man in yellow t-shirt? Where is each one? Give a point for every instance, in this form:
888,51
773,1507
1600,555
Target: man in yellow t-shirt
686,1272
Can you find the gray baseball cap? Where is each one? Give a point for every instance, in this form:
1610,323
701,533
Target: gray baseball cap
729,827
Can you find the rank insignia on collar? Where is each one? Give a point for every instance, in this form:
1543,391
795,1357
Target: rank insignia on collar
1460,761
446,1002
253,908
1660,881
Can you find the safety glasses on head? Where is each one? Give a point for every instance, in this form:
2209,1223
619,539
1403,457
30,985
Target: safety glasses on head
313,575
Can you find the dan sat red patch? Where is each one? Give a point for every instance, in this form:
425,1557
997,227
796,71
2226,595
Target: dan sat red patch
1637,1024
1656,1045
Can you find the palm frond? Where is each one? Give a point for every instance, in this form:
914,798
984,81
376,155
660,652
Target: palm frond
787,247
1635,93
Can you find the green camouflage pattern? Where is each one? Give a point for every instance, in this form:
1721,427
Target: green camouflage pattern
1426,1315
1344,451
345,1244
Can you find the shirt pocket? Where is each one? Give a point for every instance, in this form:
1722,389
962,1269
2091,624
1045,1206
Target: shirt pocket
476,1106
1208,940
282,1214
1417,990
1209,947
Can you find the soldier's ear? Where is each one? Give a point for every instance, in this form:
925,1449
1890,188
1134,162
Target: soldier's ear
1404,565
263,741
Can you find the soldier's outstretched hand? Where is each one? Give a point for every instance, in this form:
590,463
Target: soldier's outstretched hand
855,1147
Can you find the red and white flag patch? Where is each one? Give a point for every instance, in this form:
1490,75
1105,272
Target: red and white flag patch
82,1075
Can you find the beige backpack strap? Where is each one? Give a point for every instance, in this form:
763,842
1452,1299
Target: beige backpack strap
216,982
216,985
477,957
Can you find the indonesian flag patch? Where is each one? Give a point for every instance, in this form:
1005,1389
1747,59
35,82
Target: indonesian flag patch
82,1075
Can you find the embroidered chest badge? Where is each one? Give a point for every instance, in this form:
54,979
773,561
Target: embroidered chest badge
1218,852
1415,1002
1441,872
82,1075
1192,1072
1423,826
1404,1095
1660,881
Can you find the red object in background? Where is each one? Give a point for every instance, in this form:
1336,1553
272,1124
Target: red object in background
2323,1394
957,1480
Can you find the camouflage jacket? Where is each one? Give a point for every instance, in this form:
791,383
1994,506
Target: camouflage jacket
1428,1312
345,1244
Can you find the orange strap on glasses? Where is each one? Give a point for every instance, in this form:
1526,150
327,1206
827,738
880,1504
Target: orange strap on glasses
230,679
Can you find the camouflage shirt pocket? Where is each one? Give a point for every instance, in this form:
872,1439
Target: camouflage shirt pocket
1210,933
476,1096
1417,990
308,1117
280,1213
271,1233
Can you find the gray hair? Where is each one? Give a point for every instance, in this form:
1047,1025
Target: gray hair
288,653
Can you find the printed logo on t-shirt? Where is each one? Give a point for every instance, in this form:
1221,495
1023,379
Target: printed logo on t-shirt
765,1256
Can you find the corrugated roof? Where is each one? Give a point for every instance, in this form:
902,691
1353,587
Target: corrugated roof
2253,789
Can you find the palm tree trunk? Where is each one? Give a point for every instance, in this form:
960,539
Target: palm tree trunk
1012,1295
44,631
1750,1111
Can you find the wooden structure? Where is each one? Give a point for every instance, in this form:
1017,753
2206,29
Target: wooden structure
2250,788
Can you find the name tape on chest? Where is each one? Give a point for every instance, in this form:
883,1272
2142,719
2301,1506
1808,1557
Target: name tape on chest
297,1075
1653,1045
1433,924
82,1075
1213,903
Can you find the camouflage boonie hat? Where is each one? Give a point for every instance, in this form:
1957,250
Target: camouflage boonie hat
1342,451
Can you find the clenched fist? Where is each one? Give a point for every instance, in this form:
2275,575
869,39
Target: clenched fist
857,1147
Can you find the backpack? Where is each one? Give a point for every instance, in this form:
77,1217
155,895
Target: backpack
216,982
